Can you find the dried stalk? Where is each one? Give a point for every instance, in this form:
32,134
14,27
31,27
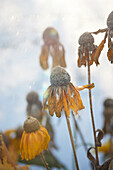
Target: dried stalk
72,141
91,110
44,161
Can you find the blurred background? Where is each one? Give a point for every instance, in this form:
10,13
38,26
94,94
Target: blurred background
21,27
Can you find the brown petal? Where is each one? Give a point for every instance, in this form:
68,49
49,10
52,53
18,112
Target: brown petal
46,96
66,103
99,49
52,102
44,57
77,98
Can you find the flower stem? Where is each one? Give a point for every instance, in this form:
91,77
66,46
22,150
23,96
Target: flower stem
91,109
80,133
72,141
44,161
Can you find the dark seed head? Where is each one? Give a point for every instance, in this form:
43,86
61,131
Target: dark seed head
59,77
31,124
32,97
110,21
86,38
50,35
108,103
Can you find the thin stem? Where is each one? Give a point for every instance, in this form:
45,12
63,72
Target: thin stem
80,133
44,161
91,109
72,141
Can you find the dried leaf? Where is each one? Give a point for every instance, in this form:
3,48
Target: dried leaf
99,137
106,165
91,157
44,57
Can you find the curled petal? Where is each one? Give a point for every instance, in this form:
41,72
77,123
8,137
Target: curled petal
89,86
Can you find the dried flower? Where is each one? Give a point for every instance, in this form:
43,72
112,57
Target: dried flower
34,140
62,94
108,114
34,107
106,147
88,51
54,47
110,35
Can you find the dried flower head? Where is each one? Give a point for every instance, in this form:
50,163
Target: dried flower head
62,94
54,47
34,106
110,35
110,21
34,140
87,50
108,114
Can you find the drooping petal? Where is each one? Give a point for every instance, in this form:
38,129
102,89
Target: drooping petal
99,49
66,103
110,51
44,57
46,96
59,105
77,97
52,102
89,86
73,105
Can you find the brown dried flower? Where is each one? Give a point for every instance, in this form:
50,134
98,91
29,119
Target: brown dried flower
53,47
62,94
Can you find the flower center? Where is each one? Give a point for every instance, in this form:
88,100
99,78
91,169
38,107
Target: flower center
59,77
31,124
86,38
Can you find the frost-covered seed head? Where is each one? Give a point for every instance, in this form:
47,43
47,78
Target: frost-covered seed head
86,38
108,103
31,124
59,77
32,97
110,21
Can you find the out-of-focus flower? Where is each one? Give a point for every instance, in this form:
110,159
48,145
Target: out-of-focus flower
34,106
62,94
35,139
106,148
34,109
108,115
110,36
53,47
88,51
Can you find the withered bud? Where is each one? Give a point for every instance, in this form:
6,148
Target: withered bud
110,21
50,34
86,38
31,124
59,77
108,103
32,97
